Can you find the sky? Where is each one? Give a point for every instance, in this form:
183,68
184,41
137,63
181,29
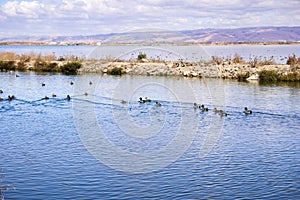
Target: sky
89,17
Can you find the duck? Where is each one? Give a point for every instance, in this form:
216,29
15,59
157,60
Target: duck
141,100
123,101
68,97
1,99
223,113
247,111
11,97
157,104
1,91
53,95
203,108
46,97
43,84
147,100
195,105
85,94
217,110
91,83
71,83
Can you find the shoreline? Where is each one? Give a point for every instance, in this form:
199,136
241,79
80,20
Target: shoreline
16,43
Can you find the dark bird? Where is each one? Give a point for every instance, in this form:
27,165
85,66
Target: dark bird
91,83
1,91
11,97
68,97
247,111
71,83
147,99
53,95
157,104
46,97
141,100
203,108
43,84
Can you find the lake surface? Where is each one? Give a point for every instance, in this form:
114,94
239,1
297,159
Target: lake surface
278,53
94,147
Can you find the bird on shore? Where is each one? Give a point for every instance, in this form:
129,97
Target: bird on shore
247,111
157,104
203,108
68,97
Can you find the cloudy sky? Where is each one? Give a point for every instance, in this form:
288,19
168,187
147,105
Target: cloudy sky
85,17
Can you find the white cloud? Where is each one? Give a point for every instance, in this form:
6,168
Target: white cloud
102,16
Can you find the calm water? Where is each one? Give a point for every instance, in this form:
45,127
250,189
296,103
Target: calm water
94,147
278,53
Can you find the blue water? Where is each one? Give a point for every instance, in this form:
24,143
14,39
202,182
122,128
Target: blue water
94,147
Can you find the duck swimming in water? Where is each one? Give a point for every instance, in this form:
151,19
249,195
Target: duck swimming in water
68,97
195,105
157,104
247,111
123,101
11,97
141,100
147,100
203,108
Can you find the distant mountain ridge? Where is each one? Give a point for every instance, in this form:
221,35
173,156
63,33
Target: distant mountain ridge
254,34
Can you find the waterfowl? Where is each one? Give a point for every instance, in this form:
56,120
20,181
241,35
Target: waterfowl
196,105
43,84
223,113
91,83
217,110
17,75
11,97
1,99
68,97
203,108
1,91
85,93
147,100
141,100
46,97
247,111
53,95
71,83
123,101
157,104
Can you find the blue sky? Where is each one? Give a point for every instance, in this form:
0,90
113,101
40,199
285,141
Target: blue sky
85,17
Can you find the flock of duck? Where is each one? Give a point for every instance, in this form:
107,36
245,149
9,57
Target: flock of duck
222,113
141,100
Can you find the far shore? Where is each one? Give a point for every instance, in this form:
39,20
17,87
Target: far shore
75,43
229,68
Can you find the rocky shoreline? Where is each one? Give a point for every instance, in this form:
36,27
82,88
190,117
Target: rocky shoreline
226,70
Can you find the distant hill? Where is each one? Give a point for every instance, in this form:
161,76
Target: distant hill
256,34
